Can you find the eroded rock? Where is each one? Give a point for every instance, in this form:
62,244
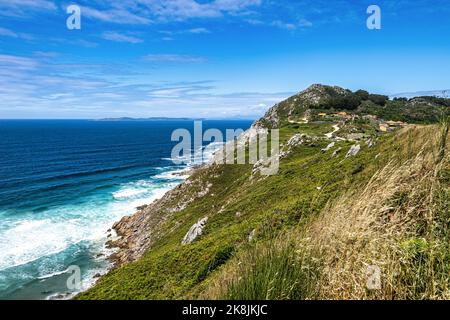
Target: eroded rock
195,231
331,145
251,236
354,150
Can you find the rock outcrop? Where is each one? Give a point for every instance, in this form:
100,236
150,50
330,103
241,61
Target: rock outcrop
195,231
138,232
354,150
331,145
300,104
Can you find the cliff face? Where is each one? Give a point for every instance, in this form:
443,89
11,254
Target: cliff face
205,238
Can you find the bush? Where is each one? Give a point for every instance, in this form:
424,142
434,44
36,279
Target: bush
378,99
345,102
362,94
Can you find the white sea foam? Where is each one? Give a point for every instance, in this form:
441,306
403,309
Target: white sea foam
53,231
53,274
173,175
202,155
128,193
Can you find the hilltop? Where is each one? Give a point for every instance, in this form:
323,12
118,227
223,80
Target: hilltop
363,181
317,99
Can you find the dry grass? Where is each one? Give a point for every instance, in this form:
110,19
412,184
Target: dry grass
391,225
398,222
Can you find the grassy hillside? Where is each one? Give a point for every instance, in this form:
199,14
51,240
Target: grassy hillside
311,230
320,98
399,221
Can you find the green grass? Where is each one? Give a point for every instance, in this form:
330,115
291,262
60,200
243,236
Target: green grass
270,206
277,273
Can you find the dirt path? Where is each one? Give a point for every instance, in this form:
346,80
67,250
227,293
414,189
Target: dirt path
330,134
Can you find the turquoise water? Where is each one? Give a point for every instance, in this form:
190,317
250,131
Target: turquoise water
62,186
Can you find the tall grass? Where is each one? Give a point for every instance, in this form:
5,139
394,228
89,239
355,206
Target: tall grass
399,222
444,129
274,272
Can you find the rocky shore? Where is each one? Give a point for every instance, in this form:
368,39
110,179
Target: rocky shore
137,233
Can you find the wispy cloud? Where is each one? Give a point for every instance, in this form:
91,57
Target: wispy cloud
184,31
173,58
115,15
146,12
198,30
39,87
76,42
8,33
20,35
16,8
302,23
20,63
120,37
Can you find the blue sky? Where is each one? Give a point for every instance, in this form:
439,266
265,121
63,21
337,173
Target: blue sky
210,58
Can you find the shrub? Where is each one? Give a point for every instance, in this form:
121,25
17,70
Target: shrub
362,94
378,99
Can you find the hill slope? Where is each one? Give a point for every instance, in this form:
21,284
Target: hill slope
311,230
321,98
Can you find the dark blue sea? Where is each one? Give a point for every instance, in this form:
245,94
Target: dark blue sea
63,183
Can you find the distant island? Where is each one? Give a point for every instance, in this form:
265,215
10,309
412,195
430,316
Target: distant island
148,119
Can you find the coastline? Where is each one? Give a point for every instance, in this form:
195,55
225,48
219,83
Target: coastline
120,241
105,253
127,238
70,234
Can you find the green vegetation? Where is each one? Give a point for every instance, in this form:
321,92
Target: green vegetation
399,221
426,110
311,230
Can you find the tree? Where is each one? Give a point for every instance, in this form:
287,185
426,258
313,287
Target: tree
362,94
378,99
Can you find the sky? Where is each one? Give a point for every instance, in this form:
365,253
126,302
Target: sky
210,58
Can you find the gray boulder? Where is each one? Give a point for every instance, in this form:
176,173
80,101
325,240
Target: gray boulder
331,145
195,231
354,150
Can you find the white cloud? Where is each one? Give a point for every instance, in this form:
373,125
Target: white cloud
302,23
20,63
148,11
119,37
115,15
9,33
17,8
39,87
198,30
173,58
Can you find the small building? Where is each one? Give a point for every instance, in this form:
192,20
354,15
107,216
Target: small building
344,115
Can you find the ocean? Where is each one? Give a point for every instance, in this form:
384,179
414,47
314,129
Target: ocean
63,183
